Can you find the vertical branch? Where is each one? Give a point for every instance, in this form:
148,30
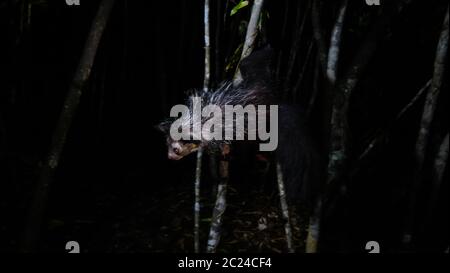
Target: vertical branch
206,81
318,33
220,206
250,37
425,125
38,204
252,29
221,201
225,13
433,94
198,174
344,89
217,47
312,240
335,43
376,141
338,153
198,170
284,209
299,26
282,39
440,163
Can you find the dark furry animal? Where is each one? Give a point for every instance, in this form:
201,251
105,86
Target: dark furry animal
298,156
296,151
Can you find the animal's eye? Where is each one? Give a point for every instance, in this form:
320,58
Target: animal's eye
176,150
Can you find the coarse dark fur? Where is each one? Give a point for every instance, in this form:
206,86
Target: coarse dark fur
298,156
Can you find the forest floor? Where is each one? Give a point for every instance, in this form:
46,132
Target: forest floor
164,223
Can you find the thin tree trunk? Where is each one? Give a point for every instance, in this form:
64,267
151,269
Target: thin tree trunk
221,204
335,44
284,209
425,125
221,201
338,153
312,239
282,39
299,26
319,33
334,189
250,37
440,163
207,37
344,90
198,170
218,73
433,94
37,208
218,47
252,29
198,174
225,13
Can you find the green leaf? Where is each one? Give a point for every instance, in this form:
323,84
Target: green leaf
235,58
240,5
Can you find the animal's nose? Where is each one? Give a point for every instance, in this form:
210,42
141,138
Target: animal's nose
176,150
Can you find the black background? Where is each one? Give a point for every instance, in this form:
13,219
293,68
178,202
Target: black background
114,183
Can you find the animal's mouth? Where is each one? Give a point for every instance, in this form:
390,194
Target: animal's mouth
174,156
180,152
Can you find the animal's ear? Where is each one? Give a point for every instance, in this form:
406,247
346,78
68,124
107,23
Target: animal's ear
257,66
163,127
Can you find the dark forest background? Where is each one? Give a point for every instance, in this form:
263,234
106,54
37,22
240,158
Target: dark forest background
115,191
